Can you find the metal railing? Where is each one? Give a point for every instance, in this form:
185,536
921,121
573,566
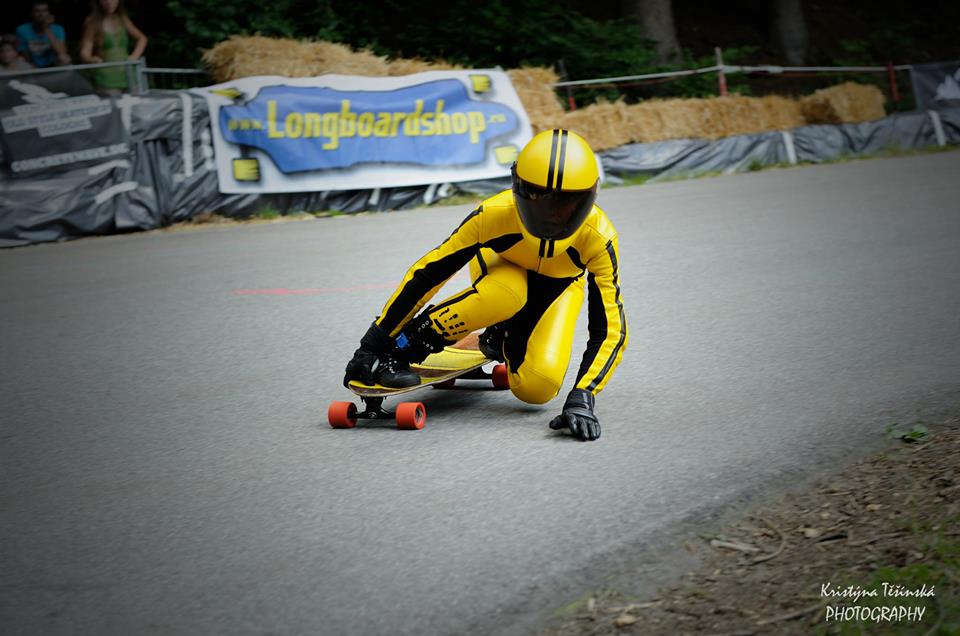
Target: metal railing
173,79
722,70
140,77
133,70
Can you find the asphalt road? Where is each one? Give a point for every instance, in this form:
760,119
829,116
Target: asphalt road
167,468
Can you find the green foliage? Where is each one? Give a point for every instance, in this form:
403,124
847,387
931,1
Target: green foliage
268,214
912,433
206,23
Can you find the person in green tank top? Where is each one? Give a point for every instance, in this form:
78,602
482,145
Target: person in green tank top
107,33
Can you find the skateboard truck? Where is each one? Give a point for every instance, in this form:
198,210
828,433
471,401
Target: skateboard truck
373,409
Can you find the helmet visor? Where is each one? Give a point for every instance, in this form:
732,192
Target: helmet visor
552,214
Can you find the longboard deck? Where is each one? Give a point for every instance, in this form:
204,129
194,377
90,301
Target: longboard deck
454,361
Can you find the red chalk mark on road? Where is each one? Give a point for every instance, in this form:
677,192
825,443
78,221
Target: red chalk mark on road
309,291
316,291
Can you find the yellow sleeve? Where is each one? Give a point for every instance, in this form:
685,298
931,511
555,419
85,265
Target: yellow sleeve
428,274
607,324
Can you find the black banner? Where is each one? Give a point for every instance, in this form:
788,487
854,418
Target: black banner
57,130
936,85
28,89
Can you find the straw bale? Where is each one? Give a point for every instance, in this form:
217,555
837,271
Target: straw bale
845,103
604,124
646,122
534,86
781,113
402,66
245,56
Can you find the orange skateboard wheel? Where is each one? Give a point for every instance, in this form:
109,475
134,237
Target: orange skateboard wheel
501,377
411,416
342,414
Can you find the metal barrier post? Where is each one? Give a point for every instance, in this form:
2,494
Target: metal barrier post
129,75
141,76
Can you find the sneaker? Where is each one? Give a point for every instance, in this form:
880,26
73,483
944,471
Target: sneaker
394,372
491,341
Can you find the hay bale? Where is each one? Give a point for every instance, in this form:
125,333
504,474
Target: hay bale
401,66
534,86
608,125
781,113
845,103
243,56
646,123
604,124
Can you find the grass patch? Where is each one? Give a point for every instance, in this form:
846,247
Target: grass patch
267,214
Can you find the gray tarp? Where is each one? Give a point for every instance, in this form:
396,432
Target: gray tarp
689,157
160,183
155,186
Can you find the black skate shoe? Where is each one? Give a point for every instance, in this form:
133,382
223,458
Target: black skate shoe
394,372
491,341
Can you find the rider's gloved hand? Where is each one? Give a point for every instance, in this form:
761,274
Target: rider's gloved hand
373,344
578,416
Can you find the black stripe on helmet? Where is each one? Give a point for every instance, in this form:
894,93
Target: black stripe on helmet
553,157
563,155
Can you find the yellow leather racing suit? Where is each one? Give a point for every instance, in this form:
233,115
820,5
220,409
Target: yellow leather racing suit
535,285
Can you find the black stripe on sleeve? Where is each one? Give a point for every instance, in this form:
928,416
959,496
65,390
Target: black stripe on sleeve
423,281
596,326
575,257
623,323
503,243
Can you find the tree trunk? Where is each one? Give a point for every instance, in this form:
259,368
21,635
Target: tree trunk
791,30
655,18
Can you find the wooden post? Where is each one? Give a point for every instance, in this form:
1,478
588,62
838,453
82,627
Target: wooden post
563,75
721,76
892,74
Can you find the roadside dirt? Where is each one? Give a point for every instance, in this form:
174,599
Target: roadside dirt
894,519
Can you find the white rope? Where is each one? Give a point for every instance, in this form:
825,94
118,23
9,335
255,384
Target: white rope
773,70
627,78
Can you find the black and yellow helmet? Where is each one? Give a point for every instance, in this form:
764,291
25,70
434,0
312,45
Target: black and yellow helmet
555,182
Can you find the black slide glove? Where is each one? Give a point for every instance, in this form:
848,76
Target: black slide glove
578,416
373,344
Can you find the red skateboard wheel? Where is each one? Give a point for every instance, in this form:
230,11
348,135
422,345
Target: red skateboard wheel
342,414
501,377
411,416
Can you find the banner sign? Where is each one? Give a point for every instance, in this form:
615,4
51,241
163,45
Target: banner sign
338,132
936,85
55,130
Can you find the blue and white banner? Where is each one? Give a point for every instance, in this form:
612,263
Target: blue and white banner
338,132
